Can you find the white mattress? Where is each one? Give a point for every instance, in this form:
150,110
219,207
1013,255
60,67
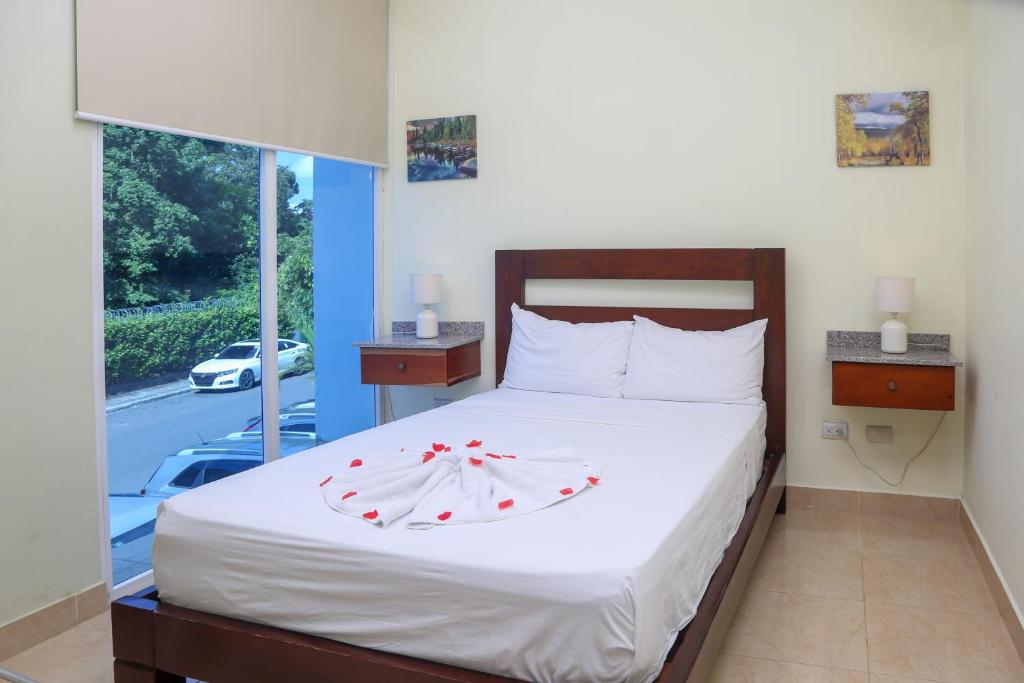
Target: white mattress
592,589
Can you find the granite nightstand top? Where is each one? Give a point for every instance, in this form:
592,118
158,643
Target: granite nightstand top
403,336
865,347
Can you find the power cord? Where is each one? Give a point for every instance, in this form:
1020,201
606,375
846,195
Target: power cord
391,406
909,462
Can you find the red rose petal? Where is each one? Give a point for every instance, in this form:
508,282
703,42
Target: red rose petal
348,495
511,457
593,480
492,455
476,461
326,481
372,514
447,449
438,447
444,516
355,463
429,455
505,504
475,443
566,491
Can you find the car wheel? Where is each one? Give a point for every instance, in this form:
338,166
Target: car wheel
246,380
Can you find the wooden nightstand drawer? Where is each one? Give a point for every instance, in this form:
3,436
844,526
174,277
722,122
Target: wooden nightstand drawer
922,387
423,367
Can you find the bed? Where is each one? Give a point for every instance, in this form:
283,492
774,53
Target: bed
592,589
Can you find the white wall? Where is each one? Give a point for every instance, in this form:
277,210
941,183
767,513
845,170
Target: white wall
668,123
49,538
994,468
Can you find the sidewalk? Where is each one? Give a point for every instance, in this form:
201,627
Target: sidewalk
134,398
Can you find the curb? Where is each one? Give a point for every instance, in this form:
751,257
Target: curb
147,399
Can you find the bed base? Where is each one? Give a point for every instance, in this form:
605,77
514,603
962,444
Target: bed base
155,642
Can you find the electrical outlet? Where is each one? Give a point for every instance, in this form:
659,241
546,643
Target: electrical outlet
438,401
834,430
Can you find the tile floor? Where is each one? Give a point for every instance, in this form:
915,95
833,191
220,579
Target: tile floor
836,597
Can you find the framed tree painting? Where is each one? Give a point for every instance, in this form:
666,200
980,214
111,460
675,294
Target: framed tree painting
441,149
883,129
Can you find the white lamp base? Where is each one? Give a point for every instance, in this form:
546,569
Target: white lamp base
426,324
894,336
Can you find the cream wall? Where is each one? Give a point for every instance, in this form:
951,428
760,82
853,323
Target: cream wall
49,537
994,468
668,123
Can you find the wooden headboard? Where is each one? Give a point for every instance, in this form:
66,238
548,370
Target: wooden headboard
766,268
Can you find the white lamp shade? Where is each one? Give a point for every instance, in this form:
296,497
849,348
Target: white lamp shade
426,289
894,294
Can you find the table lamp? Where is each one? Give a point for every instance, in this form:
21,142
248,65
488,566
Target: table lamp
894,295
426,290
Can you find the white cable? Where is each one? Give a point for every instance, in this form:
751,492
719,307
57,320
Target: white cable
391,406
909,462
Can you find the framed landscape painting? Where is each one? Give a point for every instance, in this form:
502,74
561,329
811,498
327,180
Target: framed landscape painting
441,149
883,129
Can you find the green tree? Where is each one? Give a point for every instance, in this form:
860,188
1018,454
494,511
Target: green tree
181,218
914,130
850,142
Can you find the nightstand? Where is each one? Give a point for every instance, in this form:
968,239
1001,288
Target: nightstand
923,378
403,359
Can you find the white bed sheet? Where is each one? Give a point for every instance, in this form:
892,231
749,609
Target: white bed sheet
592,589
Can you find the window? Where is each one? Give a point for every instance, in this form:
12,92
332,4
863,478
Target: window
325,290
182,297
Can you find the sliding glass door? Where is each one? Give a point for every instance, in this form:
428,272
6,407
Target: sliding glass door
185,280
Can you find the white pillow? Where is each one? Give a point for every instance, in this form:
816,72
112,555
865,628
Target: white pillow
567,358
669,364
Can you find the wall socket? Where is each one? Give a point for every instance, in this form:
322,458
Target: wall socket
834,430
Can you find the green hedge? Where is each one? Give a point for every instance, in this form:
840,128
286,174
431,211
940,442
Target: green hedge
148,346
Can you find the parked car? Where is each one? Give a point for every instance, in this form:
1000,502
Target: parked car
238,365
297,418
133,514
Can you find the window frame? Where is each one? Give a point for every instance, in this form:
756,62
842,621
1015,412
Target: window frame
268,303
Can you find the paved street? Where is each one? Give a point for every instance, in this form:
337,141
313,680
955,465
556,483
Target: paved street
140,437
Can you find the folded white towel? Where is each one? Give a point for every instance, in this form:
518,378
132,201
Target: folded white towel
460,485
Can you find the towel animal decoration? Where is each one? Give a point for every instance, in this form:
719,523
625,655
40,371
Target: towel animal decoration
447,484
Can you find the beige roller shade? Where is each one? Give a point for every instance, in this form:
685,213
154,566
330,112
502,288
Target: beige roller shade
295,75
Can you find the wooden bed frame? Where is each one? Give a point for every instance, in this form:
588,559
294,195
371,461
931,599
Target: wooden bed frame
154,641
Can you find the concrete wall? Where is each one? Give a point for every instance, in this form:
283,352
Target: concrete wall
994,467
667,123
49,517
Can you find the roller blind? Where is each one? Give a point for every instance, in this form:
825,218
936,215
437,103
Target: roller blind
295,75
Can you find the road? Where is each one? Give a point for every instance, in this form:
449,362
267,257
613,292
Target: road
140,437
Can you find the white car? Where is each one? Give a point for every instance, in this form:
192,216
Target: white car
238,366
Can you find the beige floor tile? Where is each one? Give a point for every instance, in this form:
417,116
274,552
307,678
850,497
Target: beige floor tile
954,647
921,507
736,669
949,583
885,678
817,530
910,536
808,568
79,655
799,628
822,500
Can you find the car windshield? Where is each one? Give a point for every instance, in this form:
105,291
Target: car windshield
237,351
